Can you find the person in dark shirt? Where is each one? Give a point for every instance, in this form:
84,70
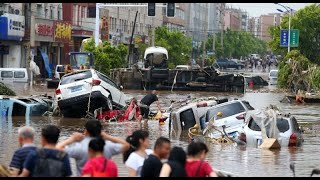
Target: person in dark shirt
152,165
47,161
25,138
175,165
147,101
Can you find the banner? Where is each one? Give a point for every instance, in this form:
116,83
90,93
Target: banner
62,31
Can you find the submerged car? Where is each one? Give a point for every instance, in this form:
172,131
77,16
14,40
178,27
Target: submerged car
232,116
284,127
76,88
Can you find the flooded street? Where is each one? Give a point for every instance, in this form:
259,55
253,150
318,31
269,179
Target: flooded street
241,161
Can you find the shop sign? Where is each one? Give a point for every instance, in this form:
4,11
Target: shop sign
44,29
62,31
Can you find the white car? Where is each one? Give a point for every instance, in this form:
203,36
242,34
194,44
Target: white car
233,116
287,126
273,77
75,89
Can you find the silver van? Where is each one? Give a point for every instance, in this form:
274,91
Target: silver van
9,75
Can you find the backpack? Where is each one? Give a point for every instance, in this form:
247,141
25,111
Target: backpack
103,173
49,167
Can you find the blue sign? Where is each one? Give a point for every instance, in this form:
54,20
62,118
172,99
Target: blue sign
284,40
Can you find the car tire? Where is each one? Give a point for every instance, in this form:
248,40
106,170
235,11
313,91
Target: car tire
109,104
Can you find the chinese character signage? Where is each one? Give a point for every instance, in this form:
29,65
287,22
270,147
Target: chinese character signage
62,31
294,37
104,28
44,29
284,37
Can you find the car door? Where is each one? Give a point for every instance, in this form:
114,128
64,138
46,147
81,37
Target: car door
118,97
6,76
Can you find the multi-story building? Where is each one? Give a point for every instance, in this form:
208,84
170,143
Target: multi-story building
197,25
12,30
251,25
178,21
267,21
236,19
46,35
214,17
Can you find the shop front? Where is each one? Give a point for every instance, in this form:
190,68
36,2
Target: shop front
11,34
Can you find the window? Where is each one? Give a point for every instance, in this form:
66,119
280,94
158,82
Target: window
6,74
107,80
46,13
282,125
187,119
39,10
59,14
51,14
227,110
19,74
246,103
76,77
295,125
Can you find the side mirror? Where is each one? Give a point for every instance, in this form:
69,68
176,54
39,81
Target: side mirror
121,87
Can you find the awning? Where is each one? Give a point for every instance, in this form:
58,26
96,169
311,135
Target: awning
46,63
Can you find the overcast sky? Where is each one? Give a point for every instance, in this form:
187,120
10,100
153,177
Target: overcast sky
257,9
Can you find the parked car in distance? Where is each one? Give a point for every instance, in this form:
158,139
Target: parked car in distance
255,56
9,75
273,77
75,89
225,63
289,132
233,115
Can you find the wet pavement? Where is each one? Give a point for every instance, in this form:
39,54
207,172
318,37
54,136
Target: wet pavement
241,161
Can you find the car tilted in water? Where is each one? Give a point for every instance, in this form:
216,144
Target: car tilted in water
76,88
263,124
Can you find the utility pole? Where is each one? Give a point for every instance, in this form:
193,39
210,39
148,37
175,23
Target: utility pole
222,24
153,32
206,34
32,39
130,56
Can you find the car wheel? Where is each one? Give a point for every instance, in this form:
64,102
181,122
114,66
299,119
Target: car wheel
109,103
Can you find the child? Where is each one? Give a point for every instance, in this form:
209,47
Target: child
98,165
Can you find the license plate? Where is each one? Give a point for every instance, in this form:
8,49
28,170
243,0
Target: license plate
75,89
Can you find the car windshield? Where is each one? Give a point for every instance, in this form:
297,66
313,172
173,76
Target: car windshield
282,124
227,110
273,73
70,78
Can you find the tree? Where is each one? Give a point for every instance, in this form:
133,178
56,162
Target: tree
176,43
237,44
107,57
307,20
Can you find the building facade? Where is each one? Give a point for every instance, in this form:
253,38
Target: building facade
178,21
12,30
265,22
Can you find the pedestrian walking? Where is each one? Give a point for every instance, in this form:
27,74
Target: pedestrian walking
175,165
26,142
47,161
152,165
138,152
196,166
98,165
77,145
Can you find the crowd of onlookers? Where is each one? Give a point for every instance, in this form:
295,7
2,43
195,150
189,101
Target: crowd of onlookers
93,150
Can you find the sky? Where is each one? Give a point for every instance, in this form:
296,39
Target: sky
257,9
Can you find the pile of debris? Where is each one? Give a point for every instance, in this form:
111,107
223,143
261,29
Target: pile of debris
4,90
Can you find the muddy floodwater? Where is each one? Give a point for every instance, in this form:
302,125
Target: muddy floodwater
241,161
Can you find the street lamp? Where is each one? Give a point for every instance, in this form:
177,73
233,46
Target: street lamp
288,9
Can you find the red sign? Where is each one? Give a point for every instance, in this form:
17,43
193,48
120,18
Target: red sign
44,29
62,31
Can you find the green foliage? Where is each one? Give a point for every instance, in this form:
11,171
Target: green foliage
107,57
4,90
236,44
307,20
178,46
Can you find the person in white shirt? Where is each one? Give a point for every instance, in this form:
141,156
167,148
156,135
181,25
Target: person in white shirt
138,152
